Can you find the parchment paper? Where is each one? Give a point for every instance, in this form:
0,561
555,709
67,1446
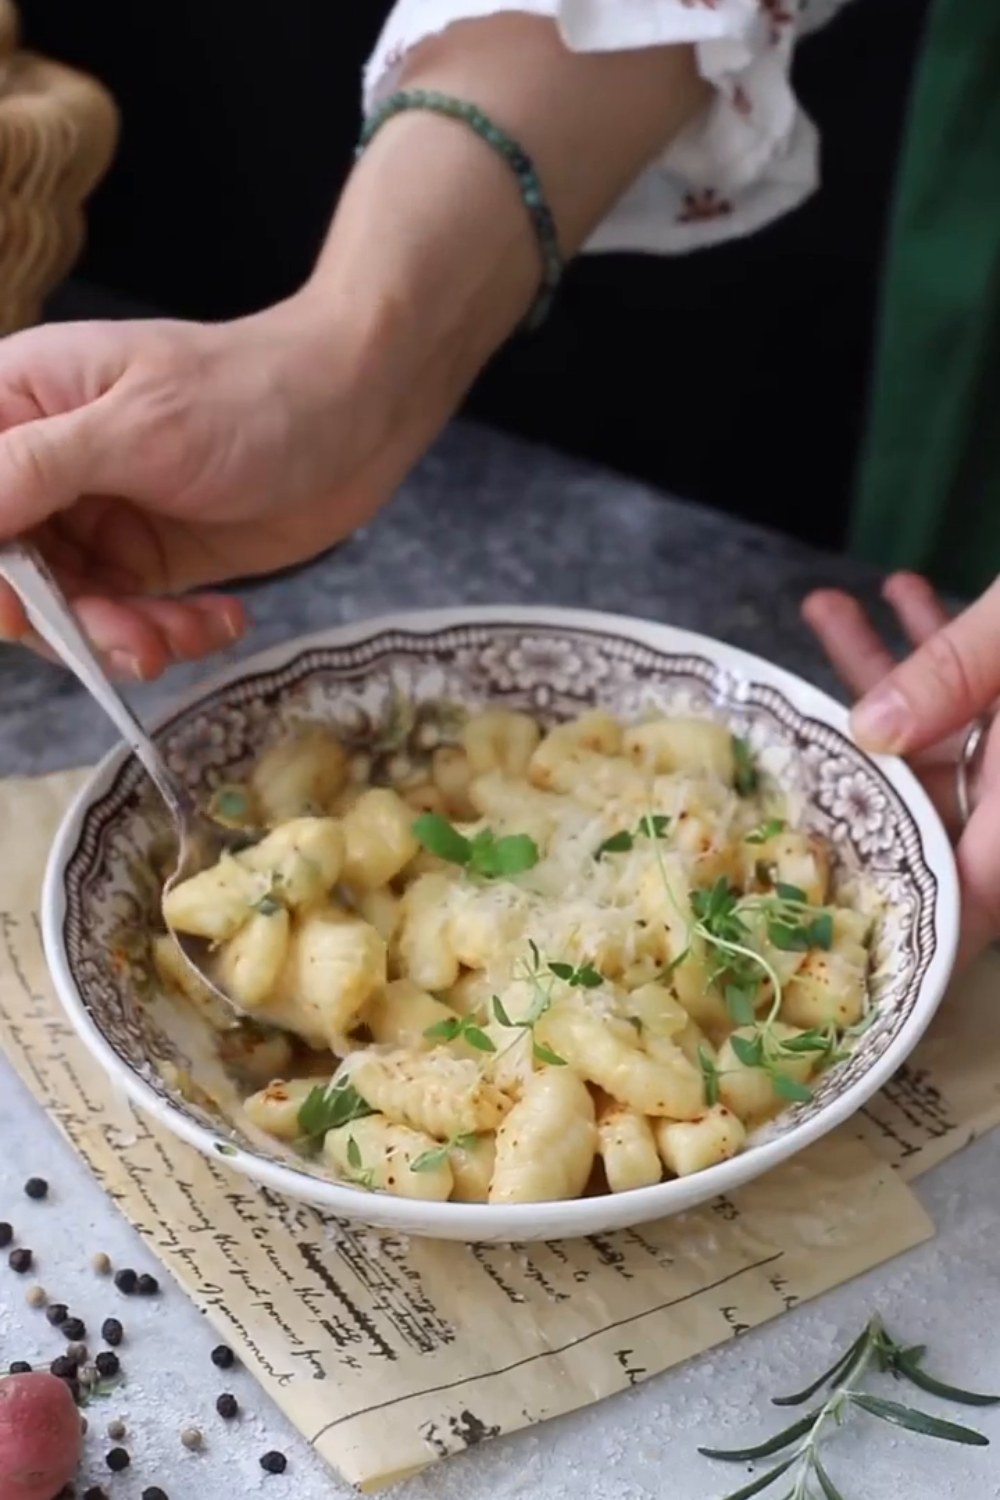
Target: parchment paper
388,1355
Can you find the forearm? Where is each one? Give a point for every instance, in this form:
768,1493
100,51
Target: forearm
431,248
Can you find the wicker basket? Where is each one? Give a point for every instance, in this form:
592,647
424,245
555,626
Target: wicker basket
58,131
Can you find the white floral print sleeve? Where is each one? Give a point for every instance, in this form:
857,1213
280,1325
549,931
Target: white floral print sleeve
752,156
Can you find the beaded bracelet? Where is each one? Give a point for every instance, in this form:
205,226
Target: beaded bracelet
513,154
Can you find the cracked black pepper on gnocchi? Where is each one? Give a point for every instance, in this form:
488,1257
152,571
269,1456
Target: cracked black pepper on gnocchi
561,963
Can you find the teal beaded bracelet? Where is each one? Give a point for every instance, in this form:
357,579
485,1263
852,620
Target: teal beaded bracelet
513,154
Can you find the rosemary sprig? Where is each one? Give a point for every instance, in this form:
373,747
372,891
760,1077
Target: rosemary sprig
874,1347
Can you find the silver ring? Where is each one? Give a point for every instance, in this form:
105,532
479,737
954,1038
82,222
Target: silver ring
965,765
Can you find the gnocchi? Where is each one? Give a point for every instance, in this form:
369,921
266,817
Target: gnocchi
540,963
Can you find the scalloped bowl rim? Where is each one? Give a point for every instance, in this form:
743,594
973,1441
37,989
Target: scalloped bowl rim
577,1217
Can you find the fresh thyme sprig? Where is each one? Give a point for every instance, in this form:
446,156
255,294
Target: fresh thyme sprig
429,1160
740,971
873,1348
543,975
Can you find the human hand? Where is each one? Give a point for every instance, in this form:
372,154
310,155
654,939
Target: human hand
149,459
922,708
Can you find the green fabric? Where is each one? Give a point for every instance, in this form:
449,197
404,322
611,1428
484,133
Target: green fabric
929,488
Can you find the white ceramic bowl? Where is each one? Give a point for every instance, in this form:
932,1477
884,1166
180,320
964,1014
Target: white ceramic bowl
398,685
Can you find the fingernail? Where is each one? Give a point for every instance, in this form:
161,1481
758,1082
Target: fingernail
124,665
220,631
881,721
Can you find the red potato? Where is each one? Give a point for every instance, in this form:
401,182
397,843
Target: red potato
40,1437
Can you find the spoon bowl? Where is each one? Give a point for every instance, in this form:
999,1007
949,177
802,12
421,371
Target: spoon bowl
200,840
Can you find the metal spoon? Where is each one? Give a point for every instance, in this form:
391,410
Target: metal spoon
200,841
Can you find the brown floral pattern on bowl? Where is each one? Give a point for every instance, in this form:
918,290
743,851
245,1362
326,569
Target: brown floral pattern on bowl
396,696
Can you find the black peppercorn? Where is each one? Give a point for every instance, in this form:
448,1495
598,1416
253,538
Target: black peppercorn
153,1493
19,1367
64,1367
112,1332
73,1386
57,1312
20,1261
74,1329
227,1406
36,1187
274,1463
6,1235
117,1460
107,1365
147,1286
223,1357
126,1280
95,1493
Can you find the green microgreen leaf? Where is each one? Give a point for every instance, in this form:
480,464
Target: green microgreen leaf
495,858
741,1003
445,1031
746,779
765,831
710,1077
460,1028
809,1041
618,843
670,969
748,1050
484,854
786,938
821,931
500,1012
652,826
438,837
429,1161
790,1088
586,977
545,1054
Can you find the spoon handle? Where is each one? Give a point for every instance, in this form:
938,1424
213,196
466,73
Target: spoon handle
53,619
